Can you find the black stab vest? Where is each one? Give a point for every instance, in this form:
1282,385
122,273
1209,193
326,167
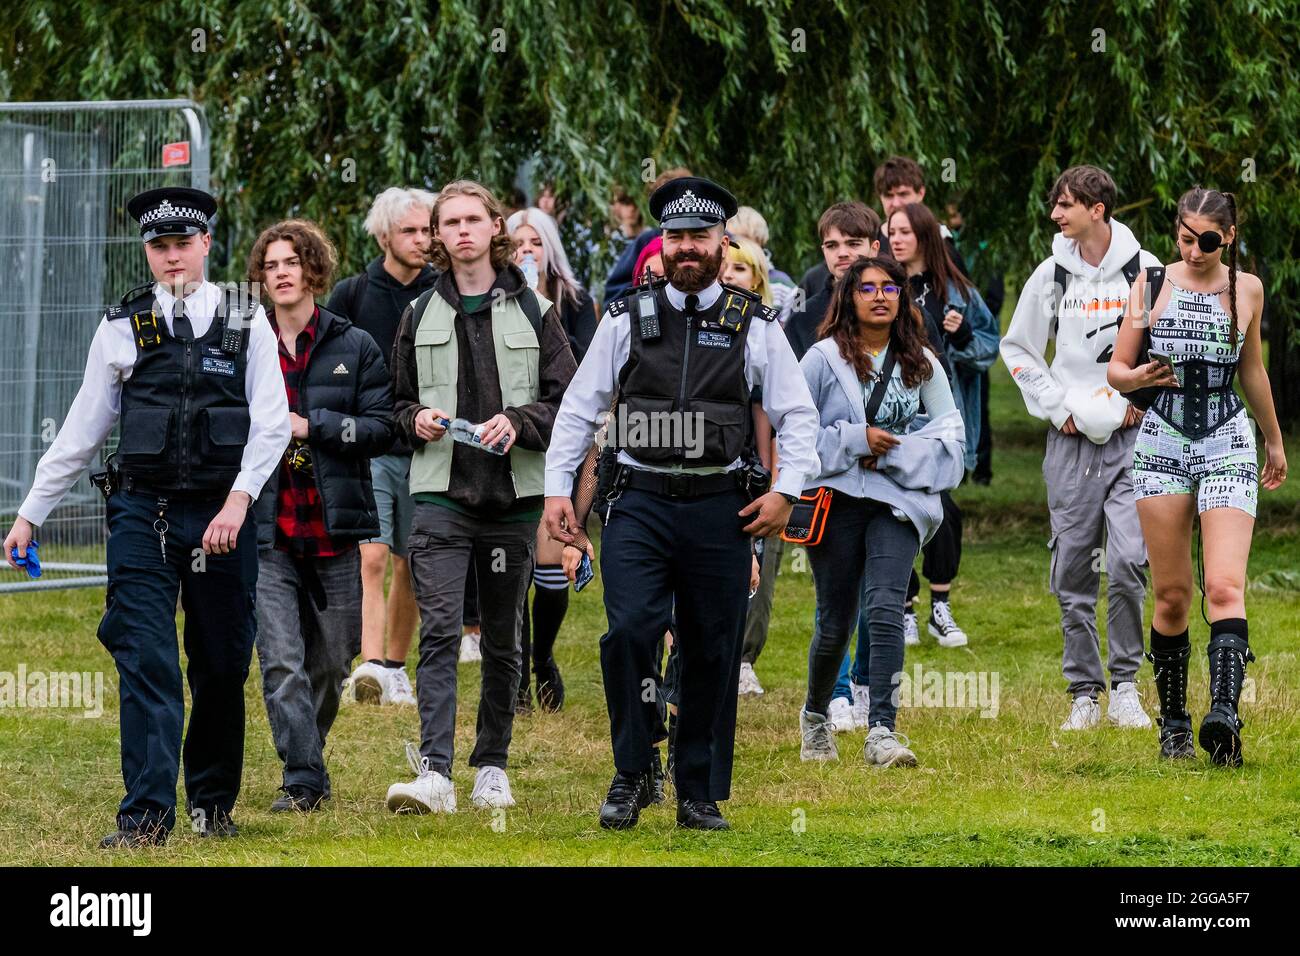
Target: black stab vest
185,415
683,399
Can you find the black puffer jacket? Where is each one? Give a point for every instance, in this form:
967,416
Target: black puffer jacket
347,397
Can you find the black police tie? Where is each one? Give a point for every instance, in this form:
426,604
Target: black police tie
692,304
181,327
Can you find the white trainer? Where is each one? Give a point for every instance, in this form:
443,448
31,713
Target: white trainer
818,737
370,683
399,687
840,715
943,627
469,647
1085,713
1125,708
911,630
429,792
491,788
861,704
749,685
884,748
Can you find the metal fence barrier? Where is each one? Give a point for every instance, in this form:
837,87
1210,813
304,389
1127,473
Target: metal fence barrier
68,249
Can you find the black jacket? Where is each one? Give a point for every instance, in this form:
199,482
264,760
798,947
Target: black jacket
801,327
347,398
579,321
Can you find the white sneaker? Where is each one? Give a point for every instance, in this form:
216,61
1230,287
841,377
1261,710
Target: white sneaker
469,649
491,788
1085,713
884,748
943,628
429,792
861,704
399,687
749,684
911,630
369,683
818,737
840,715
1125,709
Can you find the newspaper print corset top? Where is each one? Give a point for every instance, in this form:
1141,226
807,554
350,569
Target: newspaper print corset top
1194,330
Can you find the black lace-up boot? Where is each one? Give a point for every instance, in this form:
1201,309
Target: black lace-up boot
1169,657
1221,729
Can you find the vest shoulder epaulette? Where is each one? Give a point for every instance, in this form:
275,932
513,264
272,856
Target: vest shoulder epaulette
619,307
769,313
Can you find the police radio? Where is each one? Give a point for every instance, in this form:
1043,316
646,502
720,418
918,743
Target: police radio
232,331
647,309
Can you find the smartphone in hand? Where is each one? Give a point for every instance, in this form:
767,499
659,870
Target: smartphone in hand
585,574
1166,361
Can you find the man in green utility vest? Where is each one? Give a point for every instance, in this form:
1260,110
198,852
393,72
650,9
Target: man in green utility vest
484,347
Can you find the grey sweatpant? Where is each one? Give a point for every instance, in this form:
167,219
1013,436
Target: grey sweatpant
1089,491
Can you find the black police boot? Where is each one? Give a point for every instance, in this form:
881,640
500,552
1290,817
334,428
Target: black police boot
629,794
134,839
299,798
214,823
1174,721
1221,729
550,685
700,815
657,779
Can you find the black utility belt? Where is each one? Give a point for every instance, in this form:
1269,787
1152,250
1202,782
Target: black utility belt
678,485
136,486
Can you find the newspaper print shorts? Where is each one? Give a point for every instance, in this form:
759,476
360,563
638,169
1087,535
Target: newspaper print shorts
1220,469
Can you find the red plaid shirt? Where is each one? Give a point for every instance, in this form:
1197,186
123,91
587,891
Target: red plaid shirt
300,516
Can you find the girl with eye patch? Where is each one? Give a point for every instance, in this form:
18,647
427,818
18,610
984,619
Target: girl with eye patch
1196,456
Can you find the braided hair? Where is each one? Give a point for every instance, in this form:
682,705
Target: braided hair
1221,209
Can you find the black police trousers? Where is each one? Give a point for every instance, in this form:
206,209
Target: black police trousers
139,629
654,550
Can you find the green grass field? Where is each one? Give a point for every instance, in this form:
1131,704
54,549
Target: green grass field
1009,789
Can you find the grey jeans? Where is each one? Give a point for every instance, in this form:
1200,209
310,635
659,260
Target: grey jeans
758,618
304,653
441,546
1090,491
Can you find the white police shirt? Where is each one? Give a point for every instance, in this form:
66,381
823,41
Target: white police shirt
111,361
769,363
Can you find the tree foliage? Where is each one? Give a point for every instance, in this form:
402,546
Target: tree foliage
791,104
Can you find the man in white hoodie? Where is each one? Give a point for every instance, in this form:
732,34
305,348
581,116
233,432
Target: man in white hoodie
1078,297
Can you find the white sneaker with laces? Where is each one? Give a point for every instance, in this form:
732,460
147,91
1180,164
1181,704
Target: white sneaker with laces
861,704
840,715
911,630
429,792
749,685
491,788
943,628
818,737
469,647
884,748
399,687
1125,709
1085,713
369,683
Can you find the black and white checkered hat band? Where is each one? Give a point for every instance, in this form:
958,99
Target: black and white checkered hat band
165,210
689,204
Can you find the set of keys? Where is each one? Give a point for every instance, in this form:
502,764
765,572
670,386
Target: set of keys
161,527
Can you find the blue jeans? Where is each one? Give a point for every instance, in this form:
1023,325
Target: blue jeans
859,657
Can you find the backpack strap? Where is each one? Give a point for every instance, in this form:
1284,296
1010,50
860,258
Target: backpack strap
1133,267
1155,282
356,289
532,308
1060,279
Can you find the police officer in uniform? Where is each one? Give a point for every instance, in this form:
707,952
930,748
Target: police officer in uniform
684,498
192,372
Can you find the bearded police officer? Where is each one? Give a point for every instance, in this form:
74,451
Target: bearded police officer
192,371
680,505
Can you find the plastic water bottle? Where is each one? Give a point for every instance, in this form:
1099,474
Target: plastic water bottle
529,269
467,433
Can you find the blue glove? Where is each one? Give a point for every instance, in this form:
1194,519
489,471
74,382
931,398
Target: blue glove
32,562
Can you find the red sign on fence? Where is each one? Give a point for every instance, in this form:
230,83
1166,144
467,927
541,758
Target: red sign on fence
176,154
